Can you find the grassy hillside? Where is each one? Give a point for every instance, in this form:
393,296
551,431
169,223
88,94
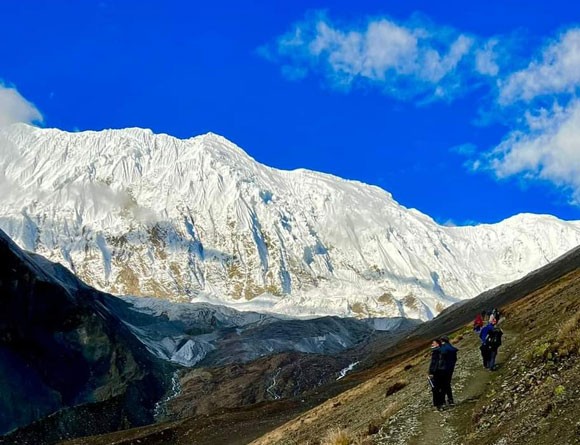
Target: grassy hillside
533,398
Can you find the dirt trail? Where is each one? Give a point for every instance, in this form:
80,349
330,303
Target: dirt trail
421,424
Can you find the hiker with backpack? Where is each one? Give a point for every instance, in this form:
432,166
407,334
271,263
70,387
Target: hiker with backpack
483,348
490,342
436,375
448,359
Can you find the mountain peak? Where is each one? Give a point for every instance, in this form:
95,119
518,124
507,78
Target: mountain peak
133,212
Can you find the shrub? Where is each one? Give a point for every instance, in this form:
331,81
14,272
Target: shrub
337,436
373,428
395,387
541,350
559,391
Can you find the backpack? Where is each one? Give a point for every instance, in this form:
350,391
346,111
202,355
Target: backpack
493,339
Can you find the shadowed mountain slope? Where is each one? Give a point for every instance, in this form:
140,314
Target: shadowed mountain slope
61,348
76,361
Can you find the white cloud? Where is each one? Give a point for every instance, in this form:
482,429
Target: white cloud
557,70
486,59
404,61
15,108
547,149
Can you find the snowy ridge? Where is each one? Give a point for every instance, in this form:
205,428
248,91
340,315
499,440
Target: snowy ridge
132,212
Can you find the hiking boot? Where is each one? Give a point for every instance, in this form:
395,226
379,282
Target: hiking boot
451,403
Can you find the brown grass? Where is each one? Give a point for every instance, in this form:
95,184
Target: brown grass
337,436
390,410
567,341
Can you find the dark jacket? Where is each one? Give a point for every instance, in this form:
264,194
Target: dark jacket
435,358
448,357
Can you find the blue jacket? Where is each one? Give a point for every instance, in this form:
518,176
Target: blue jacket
448,357
485,331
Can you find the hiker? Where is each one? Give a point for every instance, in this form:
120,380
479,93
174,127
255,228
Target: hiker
490,337
483,348
493,342
436,375
495,314
478,322
448,359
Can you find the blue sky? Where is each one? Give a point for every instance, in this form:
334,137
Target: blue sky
467,111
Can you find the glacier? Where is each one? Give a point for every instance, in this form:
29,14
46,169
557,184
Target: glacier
198,220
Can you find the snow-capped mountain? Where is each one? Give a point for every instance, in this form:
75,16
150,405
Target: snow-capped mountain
132,212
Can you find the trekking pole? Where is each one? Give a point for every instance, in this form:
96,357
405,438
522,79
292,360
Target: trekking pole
431,384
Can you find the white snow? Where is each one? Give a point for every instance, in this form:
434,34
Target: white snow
132,212
345,371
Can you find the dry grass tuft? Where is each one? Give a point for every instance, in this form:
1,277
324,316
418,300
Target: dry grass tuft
391,409
560,345
568,339
341,436
337,436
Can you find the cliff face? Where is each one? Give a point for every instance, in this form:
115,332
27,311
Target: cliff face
132,212
60,347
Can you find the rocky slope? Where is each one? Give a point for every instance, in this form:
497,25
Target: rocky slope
200,334
63,352
132,212
532,398
76,361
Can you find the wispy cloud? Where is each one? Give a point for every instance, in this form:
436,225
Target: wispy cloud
555,71
540,104
422,61
406,61
15,108
546,148
486,59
